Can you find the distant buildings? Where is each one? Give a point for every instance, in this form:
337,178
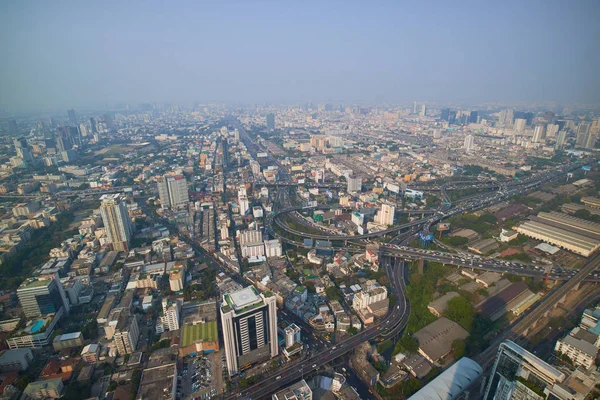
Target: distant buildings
173,192
354,184
270,122
249,323
116,221
469,143
385,216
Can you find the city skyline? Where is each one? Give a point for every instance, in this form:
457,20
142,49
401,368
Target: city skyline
263,52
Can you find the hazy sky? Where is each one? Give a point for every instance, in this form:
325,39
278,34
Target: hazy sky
62,54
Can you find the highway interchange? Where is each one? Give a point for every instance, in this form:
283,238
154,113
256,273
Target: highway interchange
392,256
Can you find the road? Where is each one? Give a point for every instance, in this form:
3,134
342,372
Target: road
486,358
388,327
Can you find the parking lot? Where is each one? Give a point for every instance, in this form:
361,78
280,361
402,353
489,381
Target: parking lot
201,377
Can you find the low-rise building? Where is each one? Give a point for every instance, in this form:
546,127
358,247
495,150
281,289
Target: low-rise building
15,360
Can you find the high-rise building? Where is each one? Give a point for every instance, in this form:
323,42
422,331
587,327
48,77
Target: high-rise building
83,130
39,297
270,121
560,140
354,184
423,111
415,107
444,114
552,130
520,124
506,118
72,117
170,316
93,126
22,149
385,216
516,371
539,133
469,143
123,329
172,191
473,117
583,131
249,323
590,143
292,335
116,221
452,117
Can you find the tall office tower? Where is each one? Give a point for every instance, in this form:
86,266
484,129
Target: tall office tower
225,145
473,117
583,131
270,121
83,130
385,216
423,111
506,118
172,191
116,221
414,107
520,124
72,117
444,114
551,130
516,371
93,125
539,133
452,117
590,143
354,184
39,297
249,323
469,143
22,149
244,204
560,140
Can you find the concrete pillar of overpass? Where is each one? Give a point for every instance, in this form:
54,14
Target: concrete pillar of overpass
561,302
576,287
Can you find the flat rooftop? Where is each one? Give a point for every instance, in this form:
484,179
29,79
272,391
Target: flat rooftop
243,298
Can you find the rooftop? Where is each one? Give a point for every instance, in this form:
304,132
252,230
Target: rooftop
207,332
243,299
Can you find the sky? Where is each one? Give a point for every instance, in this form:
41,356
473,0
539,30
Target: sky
76,54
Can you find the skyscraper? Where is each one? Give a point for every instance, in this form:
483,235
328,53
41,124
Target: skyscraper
590,143
520,124
444,114
93,125
451,116
249,323
172,191
506,117
39,297
516,371
270,121
469,143
552,130
583,132
423,110
354,184
539,133
72,117
22,149
560,140
415,107
386,214
116,221
473,117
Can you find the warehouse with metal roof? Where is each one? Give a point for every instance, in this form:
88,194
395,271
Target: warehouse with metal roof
451,383
570,233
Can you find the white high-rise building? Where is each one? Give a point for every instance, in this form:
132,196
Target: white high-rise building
249,323
539,133
552,130
244,204
170,317
423,110
173,192
385,216
292,335
116,221
520,124
273,248
560,140
469,143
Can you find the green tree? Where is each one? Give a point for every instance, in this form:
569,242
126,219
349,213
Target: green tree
461,311
333,293
458,348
